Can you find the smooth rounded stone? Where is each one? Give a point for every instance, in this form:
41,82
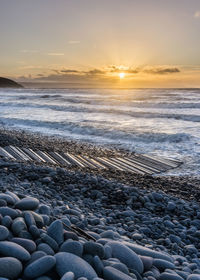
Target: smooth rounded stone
162,264
50,241
3,203
143,251
98,266
126,256
169,276
13,195
110,234
55,231
120,266
46,219
171,206
11,249
94,249
27,203
147,262
10,267
193,277
110,273
45,248
137,236
39,267
7,211
25,235
29,219
6,221
34,231
68,276
183,274
71,246
37,255
29,245
7,198
108,252
44,209
18,225
4,232
70,235
88,258
38,219
66,262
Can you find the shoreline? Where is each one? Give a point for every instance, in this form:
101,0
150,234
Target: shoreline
155,220
185,187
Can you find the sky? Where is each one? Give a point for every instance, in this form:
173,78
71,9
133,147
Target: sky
154,43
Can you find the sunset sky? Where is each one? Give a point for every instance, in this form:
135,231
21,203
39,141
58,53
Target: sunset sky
154,43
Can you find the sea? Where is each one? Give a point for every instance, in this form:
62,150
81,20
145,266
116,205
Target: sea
158,122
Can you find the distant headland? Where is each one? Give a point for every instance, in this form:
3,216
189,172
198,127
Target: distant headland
7,83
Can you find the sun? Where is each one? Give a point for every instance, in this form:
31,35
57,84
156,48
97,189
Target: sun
121,75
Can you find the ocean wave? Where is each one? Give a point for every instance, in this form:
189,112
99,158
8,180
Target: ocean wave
81,129
109,111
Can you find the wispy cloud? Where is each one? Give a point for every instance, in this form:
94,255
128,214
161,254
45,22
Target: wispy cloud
197,14
73,42
162,70
55,54
29,51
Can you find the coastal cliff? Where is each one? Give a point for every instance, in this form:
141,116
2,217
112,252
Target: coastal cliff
7,83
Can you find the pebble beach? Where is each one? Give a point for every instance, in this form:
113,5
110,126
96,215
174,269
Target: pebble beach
70,224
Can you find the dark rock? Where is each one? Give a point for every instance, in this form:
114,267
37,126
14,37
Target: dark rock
10,268
40,267
110,273
66,262
27,203
11,249
29,245
55,231
3,233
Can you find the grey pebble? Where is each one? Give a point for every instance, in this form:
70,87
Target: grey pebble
66,262
110,273
93,248
11,249
55,231
68,276
126,255
71,246
3,233
27,203
29,245
45,248
10,267
40,267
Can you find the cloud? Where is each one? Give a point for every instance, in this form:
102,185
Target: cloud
107,74
69,71
73,42
197,14
161,71
95,72
55,54
29,51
